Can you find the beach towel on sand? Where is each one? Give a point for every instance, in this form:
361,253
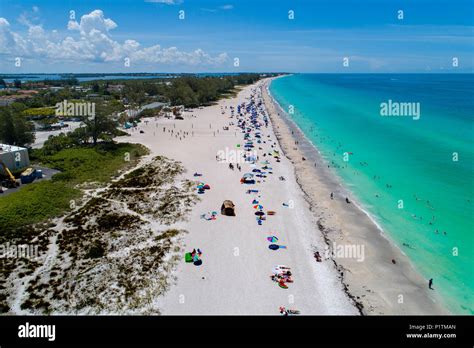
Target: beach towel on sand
188,257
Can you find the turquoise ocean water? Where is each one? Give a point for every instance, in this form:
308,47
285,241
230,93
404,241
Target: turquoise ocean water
415,177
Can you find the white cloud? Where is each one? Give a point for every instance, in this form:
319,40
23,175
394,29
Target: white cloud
4,22
223,7
92,21
90,40
157,54
73,25
166,2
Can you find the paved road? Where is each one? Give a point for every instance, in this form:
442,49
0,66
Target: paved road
47,174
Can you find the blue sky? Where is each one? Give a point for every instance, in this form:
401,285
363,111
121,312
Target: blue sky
140,35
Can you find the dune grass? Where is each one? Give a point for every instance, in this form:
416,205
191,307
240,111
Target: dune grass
41,200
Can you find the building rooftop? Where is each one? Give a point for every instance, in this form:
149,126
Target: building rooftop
4,148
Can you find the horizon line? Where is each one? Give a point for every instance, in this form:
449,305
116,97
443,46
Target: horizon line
234,73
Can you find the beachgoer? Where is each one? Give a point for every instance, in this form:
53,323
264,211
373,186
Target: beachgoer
430,284
283,311
332,195
347,200
317,256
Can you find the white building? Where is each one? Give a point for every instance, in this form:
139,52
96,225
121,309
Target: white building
14,157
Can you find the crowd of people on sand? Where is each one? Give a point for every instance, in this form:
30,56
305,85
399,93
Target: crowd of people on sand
252,119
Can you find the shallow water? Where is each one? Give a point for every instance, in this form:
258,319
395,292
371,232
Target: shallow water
414,176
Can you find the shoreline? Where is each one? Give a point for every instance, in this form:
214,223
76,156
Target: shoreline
234,278
377,285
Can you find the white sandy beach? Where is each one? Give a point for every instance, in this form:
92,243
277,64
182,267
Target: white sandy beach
235,275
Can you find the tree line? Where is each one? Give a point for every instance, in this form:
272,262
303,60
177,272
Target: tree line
188,90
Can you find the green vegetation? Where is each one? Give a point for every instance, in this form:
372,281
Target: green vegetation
32,204
101,126
97,250
187,90
83,164
14,128
39,112
194,91
41,200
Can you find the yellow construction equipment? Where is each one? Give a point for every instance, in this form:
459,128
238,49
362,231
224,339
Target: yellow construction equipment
11,181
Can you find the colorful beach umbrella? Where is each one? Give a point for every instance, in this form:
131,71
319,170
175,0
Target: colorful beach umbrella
272,239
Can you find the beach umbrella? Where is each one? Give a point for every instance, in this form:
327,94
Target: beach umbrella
276,247
272,239
258,206
259,213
